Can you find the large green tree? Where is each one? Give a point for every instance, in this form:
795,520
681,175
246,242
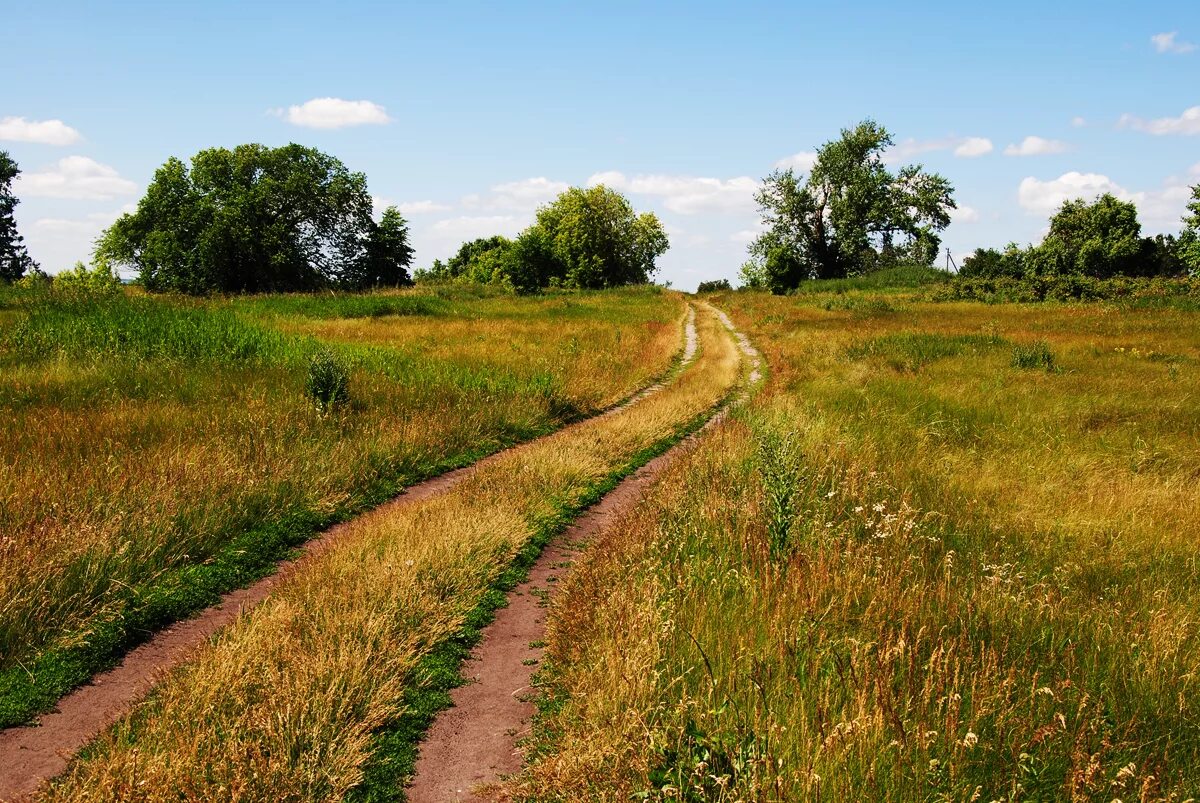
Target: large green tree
848,215
1100,238
14,259
258,219
591,238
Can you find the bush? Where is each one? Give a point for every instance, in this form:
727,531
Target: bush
82,282
1071,287
328,380
714,286
1035,355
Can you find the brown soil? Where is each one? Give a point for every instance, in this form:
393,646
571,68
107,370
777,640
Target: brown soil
30,755
475,742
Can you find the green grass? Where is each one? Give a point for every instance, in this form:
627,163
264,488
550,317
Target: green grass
949,554
162,451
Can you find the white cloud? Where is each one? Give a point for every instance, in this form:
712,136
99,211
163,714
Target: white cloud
686,195
613,179
1045,197
1194,170
1168,43
469,227
407,208
47,132
524,195
334,113
75,177
963,147
1078,122
1159,210
964,214
1187,123
802,161
1037,146
974,146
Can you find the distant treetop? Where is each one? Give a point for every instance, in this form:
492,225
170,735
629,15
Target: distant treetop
14,259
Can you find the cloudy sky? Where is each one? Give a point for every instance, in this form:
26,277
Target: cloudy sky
470,115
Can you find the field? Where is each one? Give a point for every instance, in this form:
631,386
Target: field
156,453
310,696
946,552
949,553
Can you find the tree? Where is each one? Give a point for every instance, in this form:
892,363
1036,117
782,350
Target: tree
591,238
1100,239
258,219
713,286
388,255
1189,238
14,259
850,215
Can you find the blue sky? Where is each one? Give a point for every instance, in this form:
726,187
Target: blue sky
469,115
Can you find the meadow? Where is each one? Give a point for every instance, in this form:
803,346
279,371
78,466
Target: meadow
947,554
156,452
311,696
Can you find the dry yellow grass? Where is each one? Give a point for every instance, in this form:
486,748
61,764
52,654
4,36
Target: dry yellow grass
282,706
120,466
910,572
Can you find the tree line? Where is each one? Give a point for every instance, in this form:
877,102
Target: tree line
254,219
259,219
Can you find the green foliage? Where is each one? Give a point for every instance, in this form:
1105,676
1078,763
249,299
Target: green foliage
911,351
14,259
1031,289
714,286
328,380
483,260
778,463
586,239
387,258
99,281
1100,240
257,219
1035,355
1189,237
850,216
590,239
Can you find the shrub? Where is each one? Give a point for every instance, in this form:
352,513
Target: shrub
328,380
83,282
1033,356
714,286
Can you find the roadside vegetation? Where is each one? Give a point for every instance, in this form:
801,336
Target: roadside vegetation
948,554
585,238
304,698
158,451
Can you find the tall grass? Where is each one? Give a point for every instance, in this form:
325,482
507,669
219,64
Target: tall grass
156,452
967,582
286,704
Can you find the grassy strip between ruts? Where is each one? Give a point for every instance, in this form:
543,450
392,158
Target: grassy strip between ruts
288,702
32,687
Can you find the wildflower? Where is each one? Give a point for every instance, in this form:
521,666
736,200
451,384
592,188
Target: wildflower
878,507
858,509
970,740
831,494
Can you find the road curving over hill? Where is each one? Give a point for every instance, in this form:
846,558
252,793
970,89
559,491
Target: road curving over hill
473,744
